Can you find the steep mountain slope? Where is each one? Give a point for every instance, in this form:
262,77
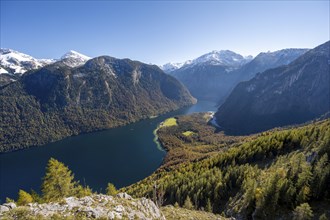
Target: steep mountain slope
58,101
214,75
209,75
264,61
263,176
289,94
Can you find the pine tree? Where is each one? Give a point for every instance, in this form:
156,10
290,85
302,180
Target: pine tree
111,190
35,196
188,204
24,198
303,212
81,191
323,217
208,206
58,181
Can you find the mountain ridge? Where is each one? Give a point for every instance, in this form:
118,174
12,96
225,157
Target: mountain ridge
13,64
103,93
215,57
288,94
212,78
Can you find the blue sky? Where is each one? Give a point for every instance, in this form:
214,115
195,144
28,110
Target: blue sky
162,31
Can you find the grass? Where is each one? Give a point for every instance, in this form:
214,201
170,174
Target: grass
169,122
188,133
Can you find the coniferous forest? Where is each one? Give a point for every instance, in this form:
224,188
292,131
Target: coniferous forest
281,173
171,110
267,175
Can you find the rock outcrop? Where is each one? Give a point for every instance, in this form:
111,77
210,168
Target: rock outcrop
96,206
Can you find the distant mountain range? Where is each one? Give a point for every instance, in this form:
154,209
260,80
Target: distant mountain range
219,58
13,64
214,75
59,100
289,94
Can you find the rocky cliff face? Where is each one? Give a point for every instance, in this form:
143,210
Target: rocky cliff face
289,94
58,101
96,206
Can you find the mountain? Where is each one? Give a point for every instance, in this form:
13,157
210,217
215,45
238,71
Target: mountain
13,64
268,60
74,59
293,93
260,63
209,74
214,75
221,58
57,100
170,67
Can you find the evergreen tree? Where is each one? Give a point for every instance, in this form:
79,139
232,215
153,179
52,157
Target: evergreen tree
208,206
323,217
35,196
303,212
111,190
58,181
188,204
81,191
24,198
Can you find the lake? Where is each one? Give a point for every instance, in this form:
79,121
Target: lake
122,155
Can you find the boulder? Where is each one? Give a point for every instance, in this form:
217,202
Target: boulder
124,196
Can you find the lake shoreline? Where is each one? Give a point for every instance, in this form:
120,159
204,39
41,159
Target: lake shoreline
123,155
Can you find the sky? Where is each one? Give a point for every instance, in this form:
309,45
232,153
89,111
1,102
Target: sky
158,32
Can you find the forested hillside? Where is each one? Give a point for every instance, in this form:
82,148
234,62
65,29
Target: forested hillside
57,101
268,175
287,95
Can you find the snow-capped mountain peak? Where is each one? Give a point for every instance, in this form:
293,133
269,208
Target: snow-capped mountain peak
74,54
14,62
169,67
226,58
222,57
74,59
17,63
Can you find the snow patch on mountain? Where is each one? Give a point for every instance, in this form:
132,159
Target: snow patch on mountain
74,59
2,71
14,62
17,63
169,67
223,57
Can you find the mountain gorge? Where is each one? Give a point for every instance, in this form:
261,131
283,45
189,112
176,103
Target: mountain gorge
57,100
290,94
